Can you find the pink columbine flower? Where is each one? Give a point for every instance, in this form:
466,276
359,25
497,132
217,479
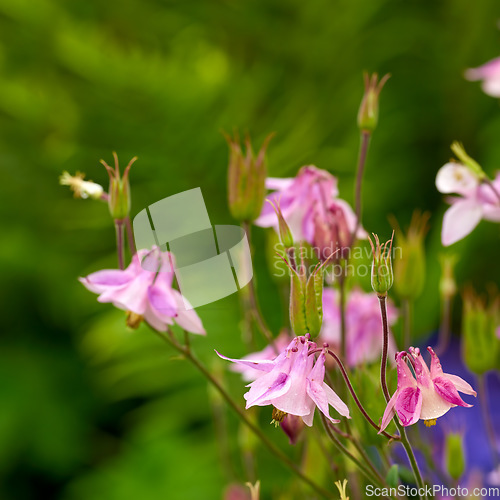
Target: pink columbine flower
145,294
305,200
489,73
363,325
477,201
428,395
293,383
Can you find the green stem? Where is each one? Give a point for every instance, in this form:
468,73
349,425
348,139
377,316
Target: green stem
407,314
343,333
120,247
170,339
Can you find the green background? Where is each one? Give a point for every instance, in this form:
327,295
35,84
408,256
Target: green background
90,409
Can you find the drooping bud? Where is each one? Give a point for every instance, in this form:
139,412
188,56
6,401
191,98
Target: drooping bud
409,261
466,160
80,187
246,179
480,345
306,299
286,237
454,455
382,273
368,111
119,189
292,426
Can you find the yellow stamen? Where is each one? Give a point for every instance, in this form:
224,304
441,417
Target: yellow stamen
430,423
134,320
278,417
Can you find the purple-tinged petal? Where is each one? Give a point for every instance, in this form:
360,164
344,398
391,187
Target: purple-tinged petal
460,384
459,220
101,281
389,412
265,365
408,405
318,395
267,388
448,392
436,368
335,401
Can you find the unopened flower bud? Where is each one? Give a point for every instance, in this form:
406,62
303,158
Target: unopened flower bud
454,455
382,273
480,345
119,189
466,160
80,187
306,300
246,179
286,237
368,111
292,426
409,262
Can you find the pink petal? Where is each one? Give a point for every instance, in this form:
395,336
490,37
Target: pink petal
265,365
459,220
389,412
460,384
436,369
318,395
266,388
335,401
448,392
408,405
100,281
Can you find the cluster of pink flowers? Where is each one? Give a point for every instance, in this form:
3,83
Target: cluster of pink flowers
293,383
476,201
425,396
145,294
313,212
363,325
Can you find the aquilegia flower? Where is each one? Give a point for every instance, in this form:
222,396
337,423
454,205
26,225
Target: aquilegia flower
308,198
428,395
145,294
489,73
477,201
363,325
293,383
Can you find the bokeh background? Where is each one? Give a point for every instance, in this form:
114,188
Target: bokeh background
92,409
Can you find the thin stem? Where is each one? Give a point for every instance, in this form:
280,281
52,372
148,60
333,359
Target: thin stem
444,327
130,236
346,452
490,430
363,151
412,459
407,314
343,333
254,305
120,247
355,397
170,339
385,346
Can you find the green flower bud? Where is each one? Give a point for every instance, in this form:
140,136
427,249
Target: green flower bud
480,345
466,160
306,300
454,455
286,237
409,262
382,273
119,189
246,179
368,111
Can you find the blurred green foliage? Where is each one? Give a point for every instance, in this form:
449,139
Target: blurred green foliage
92,409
